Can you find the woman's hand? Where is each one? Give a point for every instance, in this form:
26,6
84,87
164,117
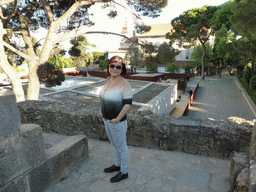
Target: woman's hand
114,121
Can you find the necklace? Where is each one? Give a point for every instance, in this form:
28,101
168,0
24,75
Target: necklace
109,85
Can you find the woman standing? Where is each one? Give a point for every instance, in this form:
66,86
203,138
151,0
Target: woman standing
116,100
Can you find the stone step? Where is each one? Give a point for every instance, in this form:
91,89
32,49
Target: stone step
62,153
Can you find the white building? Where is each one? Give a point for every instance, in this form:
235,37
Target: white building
156,36
125,44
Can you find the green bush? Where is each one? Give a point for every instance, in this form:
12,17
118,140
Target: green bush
103,63
247,75
186,67
171,68
249,90
151,64
52,75
253,82
152,68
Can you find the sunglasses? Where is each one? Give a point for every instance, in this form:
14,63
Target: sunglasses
112,66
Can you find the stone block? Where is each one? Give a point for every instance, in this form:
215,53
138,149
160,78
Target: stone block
18,185
252,185
238,163
9,118
60,159
20,151
242,182
252,148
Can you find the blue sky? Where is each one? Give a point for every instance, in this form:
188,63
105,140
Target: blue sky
103,23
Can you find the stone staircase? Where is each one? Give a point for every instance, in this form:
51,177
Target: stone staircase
31,160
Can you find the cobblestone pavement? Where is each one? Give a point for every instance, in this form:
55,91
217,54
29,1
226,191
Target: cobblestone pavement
219,98
150,171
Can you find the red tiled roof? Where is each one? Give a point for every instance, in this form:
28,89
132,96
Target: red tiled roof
133,39
158,30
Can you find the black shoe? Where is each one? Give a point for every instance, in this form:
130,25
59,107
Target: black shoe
112,169
119,177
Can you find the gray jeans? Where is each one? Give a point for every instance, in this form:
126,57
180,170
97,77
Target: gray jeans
117,136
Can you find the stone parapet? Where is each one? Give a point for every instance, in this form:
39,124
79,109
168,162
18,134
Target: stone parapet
145,129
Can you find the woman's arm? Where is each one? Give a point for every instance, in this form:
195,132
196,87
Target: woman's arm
122,113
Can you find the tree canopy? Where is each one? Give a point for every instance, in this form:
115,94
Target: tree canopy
62,19
225,37
193,25
244,17
243,24
197,55
79,56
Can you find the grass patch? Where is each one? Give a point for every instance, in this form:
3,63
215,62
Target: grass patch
249,90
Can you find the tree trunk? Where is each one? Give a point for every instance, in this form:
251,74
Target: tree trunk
14,77
33,83
203,56
253,64
9,71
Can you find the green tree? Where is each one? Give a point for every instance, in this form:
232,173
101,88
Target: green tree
240,69
166,53
243,23
187,68
151,64
134,55
222,16
78,53
59,61
171,68
155,55
244,17
103,64
253,82
52,74
197,55
247,75
61,19
149,57
193,25
226,47
97,56
247,47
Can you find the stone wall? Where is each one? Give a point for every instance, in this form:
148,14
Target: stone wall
145,129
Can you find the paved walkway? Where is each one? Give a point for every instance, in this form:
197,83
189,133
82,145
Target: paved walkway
150,171
220,98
